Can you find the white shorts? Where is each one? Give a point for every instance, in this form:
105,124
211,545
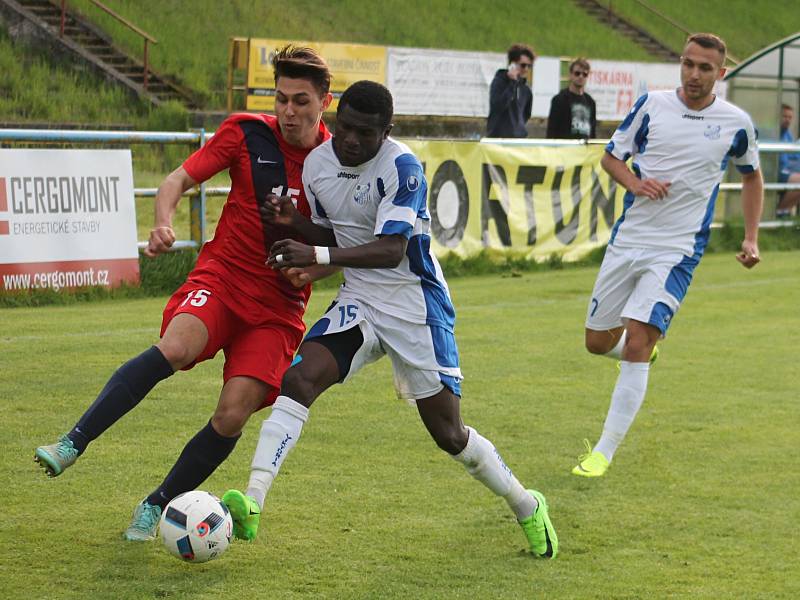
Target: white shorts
643,284
424,357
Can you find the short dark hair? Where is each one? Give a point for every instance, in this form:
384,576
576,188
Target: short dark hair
786,107
517,51
580,62
298,62
371,98
709,40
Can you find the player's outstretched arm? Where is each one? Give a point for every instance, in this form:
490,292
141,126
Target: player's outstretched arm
653,189
167,198
384,253
752,205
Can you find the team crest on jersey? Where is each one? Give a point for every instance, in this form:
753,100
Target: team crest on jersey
362,193
412,183
712,131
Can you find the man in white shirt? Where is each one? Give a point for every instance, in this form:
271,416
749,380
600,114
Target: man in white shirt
368,199
680,143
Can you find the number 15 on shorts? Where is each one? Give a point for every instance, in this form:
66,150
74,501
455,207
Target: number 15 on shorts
196,297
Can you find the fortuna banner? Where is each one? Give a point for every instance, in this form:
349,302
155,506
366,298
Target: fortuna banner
539,200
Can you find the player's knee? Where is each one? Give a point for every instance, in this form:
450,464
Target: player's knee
597,346
229,421
177,354
298,387
450,438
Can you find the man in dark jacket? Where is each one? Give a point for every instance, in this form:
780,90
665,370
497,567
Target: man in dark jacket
510,97
573,114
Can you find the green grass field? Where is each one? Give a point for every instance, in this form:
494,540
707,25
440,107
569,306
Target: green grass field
701,501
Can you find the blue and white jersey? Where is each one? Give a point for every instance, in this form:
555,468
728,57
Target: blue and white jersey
688,148
384,196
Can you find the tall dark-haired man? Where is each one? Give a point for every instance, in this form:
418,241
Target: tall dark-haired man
680,143
510,97
369,216
573,114
231,300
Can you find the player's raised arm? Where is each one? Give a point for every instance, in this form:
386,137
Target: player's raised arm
167,198
752,205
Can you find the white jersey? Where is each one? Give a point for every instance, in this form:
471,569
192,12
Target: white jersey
688,148
384,196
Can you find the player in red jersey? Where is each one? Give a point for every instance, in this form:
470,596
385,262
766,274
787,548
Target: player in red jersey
231,300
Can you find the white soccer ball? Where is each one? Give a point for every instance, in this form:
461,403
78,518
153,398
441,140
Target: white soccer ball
196,527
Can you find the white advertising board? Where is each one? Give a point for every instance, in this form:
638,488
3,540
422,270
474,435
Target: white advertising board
67,219
441,82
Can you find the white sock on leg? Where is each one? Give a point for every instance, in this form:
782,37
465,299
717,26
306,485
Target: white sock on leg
626,400
279,434
484,463
616,351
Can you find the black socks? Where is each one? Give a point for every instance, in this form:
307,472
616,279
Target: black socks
199,459
126,388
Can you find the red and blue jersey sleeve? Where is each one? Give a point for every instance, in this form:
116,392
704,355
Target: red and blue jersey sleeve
218,154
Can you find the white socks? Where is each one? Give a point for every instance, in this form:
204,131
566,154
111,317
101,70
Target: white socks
616,351
483,462
626,400
279,434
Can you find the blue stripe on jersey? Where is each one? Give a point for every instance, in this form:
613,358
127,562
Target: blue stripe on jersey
320,211
627,202
632,115
680,276
610,147
439,309
745,168
640,139
412,190
738,148
397,228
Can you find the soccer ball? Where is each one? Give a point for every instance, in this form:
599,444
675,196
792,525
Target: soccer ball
196,527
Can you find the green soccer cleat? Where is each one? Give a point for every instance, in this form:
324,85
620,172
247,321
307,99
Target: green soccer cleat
591,463
55,458
541,535
144,522
245,513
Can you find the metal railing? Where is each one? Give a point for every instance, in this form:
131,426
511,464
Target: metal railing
137,30
198,195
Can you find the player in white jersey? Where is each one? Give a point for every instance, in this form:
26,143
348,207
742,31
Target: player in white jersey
368,197
680,143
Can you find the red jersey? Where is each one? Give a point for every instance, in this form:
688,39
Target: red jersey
260,162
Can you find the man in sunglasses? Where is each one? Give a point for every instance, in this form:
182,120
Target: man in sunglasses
510,96
572,110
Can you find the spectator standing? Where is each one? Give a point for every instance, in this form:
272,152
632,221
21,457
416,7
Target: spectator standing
788,166
573,114
510,96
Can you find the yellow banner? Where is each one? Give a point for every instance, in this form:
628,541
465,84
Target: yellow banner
348,63
539,200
